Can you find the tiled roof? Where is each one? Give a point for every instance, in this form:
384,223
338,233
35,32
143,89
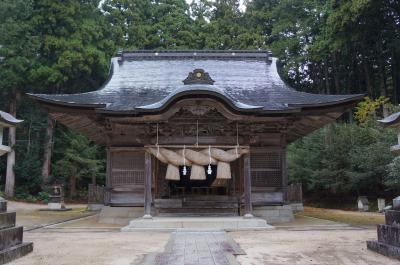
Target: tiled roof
7,120
147,80
392,120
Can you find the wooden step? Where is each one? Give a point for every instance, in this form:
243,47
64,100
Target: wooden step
210,204
210,198
197,212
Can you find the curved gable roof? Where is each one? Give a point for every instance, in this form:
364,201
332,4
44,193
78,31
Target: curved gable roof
145,81
7,120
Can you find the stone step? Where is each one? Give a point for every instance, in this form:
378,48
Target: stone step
389,235
392,217
15,252
3,206
7,220
172,223
10,237
384,249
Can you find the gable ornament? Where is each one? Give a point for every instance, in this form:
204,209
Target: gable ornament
198,76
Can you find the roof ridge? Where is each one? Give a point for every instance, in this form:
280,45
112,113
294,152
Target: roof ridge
195,50
212,54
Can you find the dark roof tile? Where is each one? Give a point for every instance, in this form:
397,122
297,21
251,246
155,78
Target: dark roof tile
248,79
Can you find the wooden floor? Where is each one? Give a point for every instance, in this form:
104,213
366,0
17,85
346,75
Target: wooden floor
197,248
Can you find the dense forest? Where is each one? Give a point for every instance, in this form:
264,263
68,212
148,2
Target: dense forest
324,46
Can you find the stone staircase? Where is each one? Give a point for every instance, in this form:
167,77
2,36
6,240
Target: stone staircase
11,244
197,206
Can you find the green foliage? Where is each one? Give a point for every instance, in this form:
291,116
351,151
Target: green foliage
342,159
392,179
43,196
78,158
18,45
366,109
23,196
75,45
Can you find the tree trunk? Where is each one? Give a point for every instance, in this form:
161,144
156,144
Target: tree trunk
336,74
72,186
395,78
326,74
10,174
382,77
48,144
367,77
94,180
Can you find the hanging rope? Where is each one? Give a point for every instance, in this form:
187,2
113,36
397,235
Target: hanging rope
237,140
209,169
237,134
197,133
158,147
184,171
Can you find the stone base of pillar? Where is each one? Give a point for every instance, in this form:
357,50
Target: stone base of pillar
388,242
11,244
147,216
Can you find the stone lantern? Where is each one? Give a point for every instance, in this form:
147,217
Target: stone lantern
56,200
11,244
6,121
388,242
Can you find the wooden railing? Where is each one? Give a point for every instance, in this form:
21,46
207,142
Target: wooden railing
96,194
295,193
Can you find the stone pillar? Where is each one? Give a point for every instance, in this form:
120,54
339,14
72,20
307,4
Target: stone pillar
147,187
388,242
248,208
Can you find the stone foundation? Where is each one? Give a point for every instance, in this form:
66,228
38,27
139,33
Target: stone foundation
123,215
94,207
274,214
204,223
297,207
119,215
11,245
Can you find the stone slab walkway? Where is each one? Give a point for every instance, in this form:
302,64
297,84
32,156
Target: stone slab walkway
196,247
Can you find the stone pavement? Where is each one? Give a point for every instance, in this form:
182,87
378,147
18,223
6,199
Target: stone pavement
197,247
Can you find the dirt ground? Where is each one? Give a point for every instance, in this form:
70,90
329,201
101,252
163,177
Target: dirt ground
105,247
313,247
305,241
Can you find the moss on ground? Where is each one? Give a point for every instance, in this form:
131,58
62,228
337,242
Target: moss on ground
347,217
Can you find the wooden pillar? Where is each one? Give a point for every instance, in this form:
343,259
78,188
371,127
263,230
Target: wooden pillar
147,186
284,175
248,208
284,168
107,193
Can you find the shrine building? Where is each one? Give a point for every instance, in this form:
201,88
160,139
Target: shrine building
196,132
